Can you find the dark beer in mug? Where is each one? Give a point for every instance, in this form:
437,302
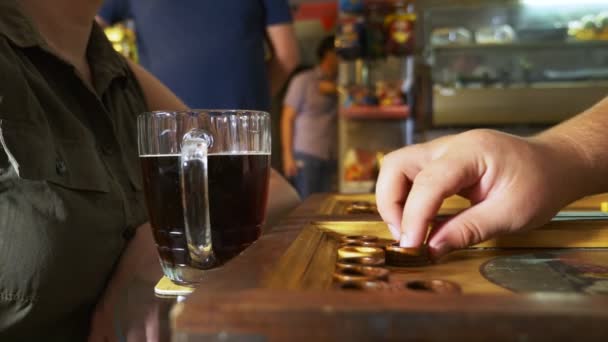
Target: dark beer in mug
238,191
206,176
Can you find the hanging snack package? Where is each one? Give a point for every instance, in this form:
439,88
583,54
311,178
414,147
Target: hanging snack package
374,31
350,38
399,28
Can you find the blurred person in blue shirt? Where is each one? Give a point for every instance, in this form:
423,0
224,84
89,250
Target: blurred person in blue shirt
211,53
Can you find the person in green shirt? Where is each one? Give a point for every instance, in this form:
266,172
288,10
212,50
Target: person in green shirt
72,216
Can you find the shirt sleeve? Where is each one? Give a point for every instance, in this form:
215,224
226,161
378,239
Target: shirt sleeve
114,11
277,12
294,97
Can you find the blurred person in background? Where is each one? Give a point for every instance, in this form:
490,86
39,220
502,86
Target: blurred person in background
309,124
211,53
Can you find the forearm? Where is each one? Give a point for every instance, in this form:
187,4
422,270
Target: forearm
583,142
139,254
278,73
287,136
285,55
281,200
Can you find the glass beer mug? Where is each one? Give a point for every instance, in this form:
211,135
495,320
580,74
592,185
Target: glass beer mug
205,176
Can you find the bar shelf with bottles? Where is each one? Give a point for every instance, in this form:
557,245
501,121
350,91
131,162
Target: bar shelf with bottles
375,42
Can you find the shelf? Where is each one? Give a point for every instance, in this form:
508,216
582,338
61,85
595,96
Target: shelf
375,112
513,105
524,45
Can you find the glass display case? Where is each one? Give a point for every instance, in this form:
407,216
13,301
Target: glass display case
532,62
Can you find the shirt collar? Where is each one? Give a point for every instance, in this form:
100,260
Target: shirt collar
106,64
16,27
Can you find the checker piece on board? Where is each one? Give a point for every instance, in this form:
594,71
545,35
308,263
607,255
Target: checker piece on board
407,257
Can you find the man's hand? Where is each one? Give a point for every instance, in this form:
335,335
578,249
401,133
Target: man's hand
513,184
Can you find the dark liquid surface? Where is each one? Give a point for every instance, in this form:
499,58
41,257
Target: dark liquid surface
238,191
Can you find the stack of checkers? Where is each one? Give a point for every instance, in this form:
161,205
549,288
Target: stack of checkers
368,246
407,257
362,265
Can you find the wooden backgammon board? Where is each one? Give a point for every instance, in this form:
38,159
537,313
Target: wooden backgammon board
329,272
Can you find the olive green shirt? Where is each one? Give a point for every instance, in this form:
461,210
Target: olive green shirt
70,183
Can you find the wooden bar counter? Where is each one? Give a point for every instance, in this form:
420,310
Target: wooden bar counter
547,284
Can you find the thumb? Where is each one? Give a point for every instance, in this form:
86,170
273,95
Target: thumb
472,226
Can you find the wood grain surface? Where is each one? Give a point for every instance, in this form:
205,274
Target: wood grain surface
275,315
281,289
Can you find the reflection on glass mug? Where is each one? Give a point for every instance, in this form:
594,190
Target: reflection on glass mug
205,176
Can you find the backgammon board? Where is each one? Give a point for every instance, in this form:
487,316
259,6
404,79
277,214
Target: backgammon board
364,205
315,278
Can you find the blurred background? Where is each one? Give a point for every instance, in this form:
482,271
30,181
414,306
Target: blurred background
411,71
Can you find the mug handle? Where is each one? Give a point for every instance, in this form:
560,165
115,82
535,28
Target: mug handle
195,196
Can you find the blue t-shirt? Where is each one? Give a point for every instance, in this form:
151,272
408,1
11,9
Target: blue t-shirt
209,52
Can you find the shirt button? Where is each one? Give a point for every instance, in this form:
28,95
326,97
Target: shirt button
107,150
128,233
60,167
